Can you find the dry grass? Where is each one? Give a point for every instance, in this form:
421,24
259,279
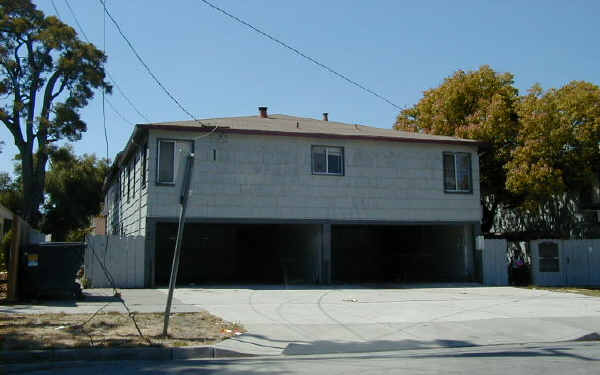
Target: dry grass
592,292
45,331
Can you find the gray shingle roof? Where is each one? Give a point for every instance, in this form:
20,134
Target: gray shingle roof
278,124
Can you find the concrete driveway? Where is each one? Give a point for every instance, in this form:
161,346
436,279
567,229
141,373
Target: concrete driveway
362,319
345,319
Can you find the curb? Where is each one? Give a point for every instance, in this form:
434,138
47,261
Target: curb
111,354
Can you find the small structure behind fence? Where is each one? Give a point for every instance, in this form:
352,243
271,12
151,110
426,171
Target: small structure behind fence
123,258
565,262
553,262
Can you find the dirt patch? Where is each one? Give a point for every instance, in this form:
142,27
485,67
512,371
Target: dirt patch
111,329
592,292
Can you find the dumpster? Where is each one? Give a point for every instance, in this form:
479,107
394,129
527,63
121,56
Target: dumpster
50,269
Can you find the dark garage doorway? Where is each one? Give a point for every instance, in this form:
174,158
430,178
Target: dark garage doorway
239,253
398,254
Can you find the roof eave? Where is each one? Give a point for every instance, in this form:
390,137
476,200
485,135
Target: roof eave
314,135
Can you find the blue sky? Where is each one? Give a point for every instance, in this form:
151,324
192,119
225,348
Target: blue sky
219,68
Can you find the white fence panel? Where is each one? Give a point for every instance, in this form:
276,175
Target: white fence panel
494,263
123,258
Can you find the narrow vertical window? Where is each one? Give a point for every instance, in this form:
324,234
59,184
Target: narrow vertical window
144,161
449,173
122,176
166,162
128,182
133,164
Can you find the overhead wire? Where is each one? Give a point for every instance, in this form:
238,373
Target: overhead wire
102,264
55,9
104,90
302,54
114,109
110,77
149,71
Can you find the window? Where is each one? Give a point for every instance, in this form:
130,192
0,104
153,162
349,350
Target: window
328,160
144,159
166,162
123,183
128,182
457,172
548,252
133,164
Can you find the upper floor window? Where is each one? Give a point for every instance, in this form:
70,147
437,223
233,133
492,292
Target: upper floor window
133,166
457,172
128,182
166,162
144,159
328,160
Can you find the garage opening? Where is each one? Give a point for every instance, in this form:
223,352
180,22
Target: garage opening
240,253
399,254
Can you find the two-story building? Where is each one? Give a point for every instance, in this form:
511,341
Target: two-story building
277,198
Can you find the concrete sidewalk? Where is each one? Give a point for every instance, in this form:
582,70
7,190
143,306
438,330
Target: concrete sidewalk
140,300
308,320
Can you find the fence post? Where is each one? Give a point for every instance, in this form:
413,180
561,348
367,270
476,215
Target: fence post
13,267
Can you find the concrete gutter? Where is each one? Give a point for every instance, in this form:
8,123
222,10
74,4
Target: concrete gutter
112,354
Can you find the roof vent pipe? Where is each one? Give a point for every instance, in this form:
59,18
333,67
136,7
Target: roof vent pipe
325,116
263,112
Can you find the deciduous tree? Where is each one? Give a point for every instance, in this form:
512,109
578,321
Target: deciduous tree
46,76
74,190
481,105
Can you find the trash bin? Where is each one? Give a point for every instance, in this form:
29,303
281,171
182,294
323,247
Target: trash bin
50,269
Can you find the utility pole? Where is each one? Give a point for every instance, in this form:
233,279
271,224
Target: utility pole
185,192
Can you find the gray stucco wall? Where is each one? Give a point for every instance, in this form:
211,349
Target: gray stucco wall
269,177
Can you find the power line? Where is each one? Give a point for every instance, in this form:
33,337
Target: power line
103,90
112,106
112,79
55,9
302,54
114,82
141,60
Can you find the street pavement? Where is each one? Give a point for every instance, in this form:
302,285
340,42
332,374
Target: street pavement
359,319
553,359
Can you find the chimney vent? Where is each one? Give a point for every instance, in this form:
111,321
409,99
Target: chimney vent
325,116
263,112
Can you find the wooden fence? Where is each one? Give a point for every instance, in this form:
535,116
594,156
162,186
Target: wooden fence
22,236
122,257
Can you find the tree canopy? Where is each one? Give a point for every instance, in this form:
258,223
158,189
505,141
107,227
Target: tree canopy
479,105
543,147
558,142
47,75
74,189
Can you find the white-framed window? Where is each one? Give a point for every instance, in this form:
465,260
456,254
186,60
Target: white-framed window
327,160
166,162
548,254
144,160
133,166
128,182
457,172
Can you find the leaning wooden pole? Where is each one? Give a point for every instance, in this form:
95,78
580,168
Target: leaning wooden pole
13,265
185,192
